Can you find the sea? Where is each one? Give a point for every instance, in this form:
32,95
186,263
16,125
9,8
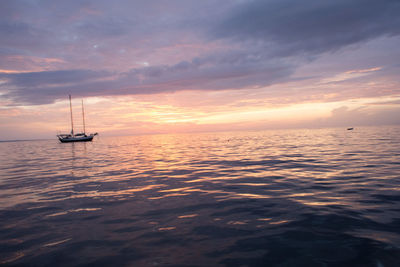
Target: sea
310,197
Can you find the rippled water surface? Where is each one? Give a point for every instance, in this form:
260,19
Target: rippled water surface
326,197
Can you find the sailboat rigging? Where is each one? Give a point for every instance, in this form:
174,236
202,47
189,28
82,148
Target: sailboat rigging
79,137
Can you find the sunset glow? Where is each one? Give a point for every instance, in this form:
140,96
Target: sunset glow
146,68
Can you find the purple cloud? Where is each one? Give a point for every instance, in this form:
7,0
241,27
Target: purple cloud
310,26
236,44
211,73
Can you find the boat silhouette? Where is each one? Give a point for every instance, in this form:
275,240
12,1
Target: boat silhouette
78,137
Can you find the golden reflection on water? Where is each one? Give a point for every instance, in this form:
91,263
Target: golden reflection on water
15,256
232,195
188,216
264,219
113,193
279,222
198,185
56,243
262,165
175,189
169,195
319,203
254,184
238,222
73,210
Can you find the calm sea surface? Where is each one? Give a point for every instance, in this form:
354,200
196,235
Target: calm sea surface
326,197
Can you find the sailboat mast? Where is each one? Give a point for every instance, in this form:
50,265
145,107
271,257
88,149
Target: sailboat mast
72,121
83,117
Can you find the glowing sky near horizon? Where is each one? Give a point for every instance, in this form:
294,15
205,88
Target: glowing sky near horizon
187,66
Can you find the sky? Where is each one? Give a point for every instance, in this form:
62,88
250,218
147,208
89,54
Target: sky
172,66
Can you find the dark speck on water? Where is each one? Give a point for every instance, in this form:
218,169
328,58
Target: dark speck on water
325,197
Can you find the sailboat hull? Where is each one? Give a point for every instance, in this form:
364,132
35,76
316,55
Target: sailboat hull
76,139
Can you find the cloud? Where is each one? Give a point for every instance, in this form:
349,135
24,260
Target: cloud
94,46
103,28
310,26
46,78
229,71
17,35
390,103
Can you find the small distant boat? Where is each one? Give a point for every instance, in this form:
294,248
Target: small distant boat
350,129
79,137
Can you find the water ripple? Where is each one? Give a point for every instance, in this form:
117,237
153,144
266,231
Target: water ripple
326,197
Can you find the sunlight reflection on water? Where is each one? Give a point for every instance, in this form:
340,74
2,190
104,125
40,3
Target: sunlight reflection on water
259,198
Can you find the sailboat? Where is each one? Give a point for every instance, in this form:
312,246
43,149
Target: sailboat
78,137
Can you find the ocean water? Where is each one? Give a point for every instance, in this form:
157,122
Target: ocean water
324,197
